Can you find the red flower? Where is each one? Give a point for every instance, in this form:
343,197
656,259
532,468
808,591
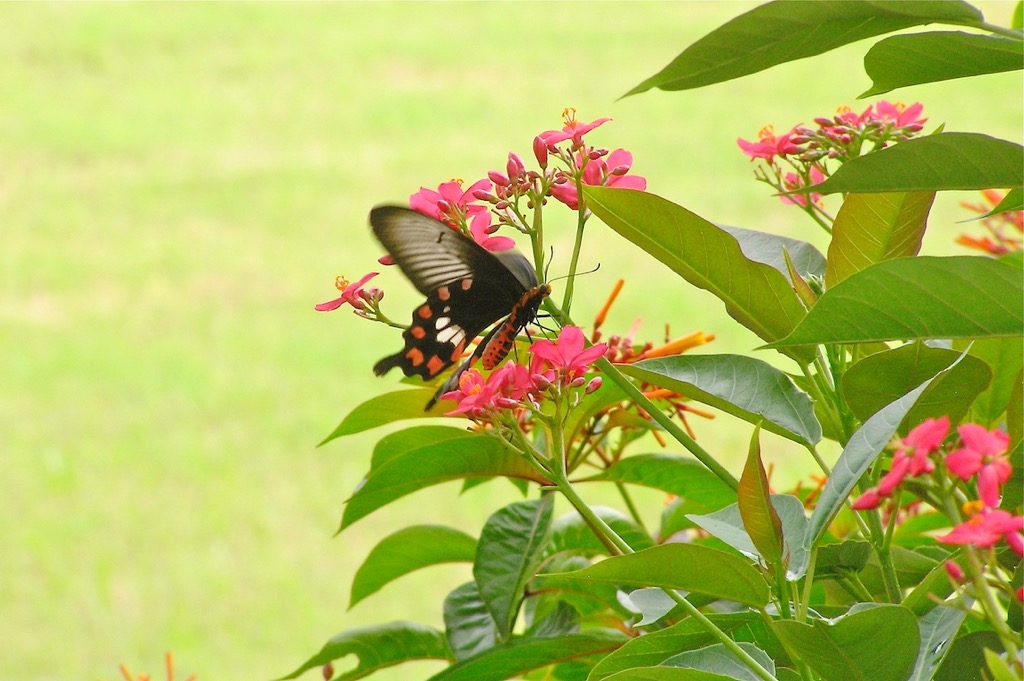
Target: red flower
350,293
572,129
449,203
912,458
988,527
565,356
481,228
601,172
768,145
984,454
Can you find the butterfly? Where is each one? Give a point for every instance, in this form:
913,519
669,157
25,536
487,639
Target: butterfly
467,287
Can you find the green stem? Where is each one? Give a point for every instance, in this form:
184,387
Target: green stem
630,506
889,577
1007,32
805,599
670,426
994,615
581,221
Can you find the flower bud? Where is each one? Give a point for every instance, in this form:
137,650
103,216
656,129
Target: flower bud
484,195
515,166
497,178
444,206
540,151
594,384
597,153
619,170
541,381
954,572
823,122
577,382
328,671
501,205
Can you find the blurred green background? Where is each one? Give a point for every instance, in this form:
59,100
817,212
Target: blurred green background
179,185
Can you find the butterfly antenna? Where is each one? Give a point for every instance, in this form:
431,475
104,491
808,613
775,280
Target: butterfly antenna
578,274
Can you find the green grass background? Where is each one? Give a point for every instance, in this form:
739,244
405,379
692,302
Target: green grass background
179,184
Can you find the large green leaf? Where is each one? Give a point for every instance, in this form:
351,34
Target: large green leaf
779,32
410,549
940,55
728,526
860,452
1004,357
877,643
380,646
386,408
570,533
468,622
950,160
688,567
1014,200
870,228
745,387
508,554
878,379
414,467
756,295
937,631
687,479
657,646
966,658
922,297
769,248
520,655
718,659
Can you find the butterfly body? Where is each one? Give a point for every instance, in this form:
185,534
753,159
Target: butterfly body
468,288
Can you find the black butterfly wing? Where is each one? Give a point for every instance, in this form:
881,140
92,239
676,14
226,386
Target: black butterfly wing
467,288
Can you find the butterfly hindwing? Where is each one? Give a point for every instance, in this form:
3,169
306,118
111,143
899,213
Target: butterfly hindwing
467,289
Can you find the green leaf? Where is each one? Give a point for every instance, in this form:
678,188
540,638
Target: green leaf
780,32
508,554
520,655
1005,359
870,228
935,585
380,646
687,479
922,297
760,520
860,452
949,160
999,667
728,526
838,559
937,631
570,533
878,379
413,467
940,55
1014,200
745,387
769,249
468,622
756,295
382,409
718,659
852,648
407,550
966,658
657,646
683,566
666,674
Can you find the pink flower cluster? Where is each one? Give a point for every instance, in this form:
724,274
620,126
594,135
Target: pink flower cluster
841,136
562,362
981,456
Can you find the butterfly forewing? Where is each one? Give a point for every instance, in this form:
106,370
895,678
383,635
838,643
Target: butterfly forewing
467,289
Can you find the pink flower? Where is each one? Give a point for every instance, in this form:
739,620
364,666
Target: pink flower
901,116
867,501
988,527
480,397
984,454
793,182
449,203
565,355
601,172
481,229
350,293
768,145
572,129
